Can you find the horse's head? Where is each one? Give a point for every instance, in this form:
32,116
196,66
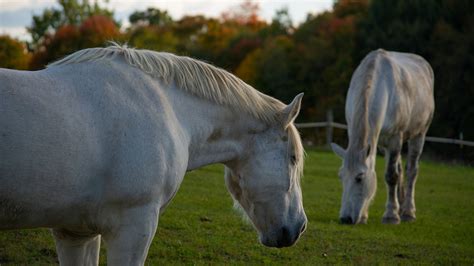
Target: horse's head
359,182
265,181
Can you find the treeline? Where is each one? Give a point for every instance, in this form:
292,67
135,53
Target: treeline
316,57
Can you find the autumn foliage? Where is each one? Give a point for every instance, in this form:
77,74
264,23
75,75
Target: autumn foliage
13,54
317,57
94,31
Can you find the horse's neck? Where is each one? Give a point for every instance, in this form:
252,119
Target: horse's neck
216,133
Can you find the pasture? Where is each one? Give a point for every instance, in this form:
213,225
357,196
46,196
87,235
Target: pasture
200,226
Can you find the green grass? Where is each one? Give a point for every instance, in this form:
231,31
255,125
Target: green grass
200,226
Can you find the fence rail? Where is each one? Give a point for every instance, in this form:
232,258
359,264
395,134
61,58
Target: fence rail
329,125
321,124
450,141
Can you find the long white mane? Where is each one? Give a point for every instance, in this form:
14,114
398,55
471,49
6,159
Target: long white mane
196,77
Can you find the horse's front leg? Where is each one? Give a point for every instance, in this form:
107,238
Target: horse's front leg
76,249
393,177
129,239
415,147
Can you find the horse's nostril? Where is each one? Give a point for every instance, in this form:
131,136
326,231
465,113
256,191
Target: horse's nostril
285,238
303,228
285,232
346,220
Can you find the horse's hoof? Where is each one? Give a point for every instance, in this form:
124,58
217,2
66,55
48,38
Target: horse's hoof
390,220
408,218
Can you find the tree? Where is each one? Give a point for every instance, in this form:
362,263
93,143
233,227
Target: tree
154,38
13,53
44,25
72,12
249,67
449,51
274,68
153,29
187,30
94,31
238,48
281,22
403,25
442,32
327,42
97,30
245,14
210,42
151,16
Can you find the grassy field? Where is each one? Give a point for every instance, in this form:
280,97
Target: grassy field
200,226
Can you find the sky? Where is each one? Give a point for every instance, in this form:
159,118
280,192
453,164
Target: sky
15,15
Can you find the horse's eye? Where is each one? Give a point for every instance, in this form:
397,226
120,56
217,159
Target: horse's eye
358,178
293,159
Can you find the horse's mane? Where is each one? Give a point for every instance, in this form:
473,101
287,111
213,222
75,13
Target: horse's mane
193,76
364,79
363,84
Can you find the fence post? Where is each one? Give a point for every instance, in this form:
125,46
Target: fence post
329,128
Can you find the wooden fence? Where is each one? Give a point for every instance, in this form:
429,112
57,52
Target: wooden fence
330,125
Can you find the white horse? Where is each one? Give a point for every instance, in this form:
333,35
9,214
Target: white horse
390,100
98,143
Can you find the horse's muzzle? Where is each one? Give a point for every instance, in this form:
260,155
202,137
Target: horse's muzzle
285,236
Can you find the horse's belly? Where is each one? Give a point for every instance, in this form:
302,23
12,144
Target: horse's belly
39,191
17,213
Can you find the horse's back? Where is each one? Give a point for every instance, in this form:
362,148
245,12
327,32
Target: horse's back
405,71
413,72
411,98
399,87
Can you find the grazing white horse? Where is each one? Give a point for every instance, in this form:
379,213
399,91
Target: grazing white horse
390,100
97,145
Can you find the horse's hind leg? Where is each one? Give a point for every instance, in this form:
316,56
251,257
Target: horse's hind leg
415,147
75,249
393,176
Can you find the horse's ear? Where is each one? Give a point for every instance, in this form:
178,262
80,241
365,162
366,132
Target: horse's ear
338,150
292,110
